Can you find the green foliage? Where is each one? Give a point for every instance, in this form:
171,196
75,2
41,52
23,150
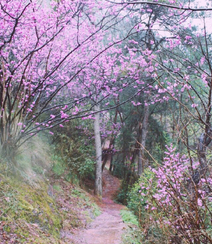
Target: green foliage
73,178
74,151
122,194
135,201
156,146
58,165
57,187
120,170
130,134
132,234
129,178
86,169
128,217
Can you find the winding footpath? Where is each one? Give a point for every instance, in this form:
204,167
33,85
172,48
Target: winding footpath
108,227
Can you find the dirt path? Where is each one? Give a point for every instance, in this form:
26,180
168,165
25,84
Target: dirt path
108,227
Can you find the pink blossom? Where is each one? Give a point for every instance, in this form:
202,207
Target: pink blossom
199,202
64,115
194,105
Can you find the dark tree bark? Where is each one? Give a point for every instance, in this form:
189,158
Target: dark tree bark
204,140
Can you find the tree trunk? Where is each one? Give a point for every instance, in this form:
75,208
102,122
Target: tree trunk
107,153
98,175
204,142
205,139
142,141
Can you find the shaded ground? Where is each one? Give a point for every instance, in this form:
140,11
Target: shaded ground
108,227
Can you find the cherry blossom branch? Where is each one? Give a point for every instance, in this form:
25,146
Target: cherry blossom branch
15,25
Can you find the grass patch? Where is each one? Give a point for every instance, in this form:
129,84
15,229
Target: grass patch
128,217
132,234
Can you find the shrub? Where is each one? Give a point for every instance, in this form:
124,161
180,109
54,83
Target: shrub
177,209
72,145
86,169
134,200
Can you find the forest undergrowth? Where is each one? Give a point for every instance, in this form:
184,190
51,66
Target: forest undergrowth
38,202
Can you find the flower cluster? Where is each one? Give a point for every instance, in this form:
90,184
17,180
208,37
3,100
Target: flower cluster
178,204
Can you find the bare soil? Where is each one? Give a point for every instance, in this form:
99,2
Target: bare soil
108,227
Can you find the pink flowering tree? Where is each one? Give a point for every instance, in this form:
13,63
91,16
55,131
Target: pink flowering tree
48,55
64,60
175,205
180,205
60,61
181,69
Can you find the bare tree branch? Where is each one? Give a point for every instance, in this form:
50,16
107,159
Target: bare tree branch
164,5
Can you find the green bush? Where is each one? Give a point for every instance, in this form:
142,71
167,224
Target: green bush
135,201
58,165
121,197
72,145
86,169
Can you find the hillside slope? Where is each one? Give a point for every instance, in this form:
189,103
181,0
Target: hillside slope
42,211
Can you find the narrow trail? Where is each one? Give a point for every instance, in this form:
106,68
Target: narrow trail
108,227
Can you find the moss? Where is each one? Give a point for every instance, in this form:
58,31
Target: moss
41,210
23,202
26,206
57,187
7,228
35,213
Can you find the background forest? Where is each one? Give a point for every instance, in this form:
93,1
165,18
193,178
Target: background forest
122,85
